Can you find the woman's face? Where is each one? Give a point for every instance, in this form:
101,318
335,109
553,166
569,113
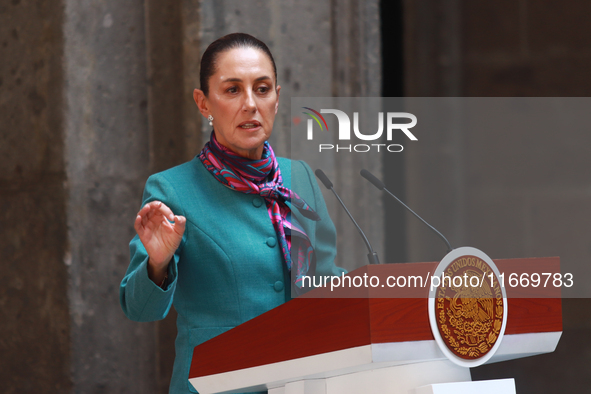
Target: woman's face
243,100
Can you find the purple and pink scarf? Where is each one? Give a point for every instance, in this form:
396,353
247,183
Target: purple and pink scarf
263,177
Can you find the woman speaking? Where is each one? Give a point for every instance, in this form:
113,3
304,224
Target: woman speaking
222,235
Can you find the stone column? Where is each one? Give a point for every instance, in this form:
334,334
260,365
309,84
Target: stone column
107,163
356,72
35,325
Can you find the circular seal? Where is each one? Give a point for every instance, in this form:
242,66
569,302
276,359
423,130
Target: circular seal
467,307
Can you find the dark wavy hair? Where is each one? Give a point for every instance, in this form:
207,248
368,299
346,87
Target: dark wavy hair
225,43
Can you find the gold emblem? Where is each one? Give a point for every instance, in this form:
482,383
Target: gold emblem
469,307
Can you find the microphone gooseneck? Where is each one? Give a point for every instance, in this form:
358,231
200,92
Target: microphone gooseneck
372,256
370,177
323,178
380,185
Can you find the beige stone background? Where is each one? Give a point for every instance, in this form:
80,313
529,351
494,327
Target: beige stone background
95,95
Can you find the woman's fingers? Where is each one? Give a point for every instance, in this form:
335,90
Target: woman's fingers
137,224
156,215
153,210
164,210
146,208
146,212
179,224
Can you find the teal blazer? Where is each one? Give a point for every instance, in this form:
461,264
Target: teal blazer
228,268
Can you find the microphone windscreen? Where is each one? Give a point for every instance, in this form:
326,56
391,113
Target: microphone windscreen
323,178
375,181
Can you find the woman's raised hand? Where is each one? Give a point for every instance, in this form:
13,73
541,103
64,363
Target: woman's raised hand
160,237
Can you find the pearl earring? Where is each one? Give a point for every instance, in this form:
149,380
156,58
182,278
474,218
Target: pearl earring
210,118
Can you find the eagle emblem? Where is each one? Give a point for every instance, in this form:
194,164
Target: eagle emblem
469,308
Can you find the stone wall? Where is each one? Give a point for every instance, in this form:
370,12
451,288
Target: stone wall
34,328
95,96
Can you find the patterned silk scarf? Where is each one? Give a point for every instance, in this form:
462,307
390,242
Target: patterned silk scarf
263,177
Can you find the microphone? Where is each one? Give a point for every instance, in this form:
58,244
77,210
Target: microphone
380,185
372,256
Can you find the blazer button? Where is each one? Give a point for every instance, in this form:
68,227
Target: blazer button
278,286
271,242
257,202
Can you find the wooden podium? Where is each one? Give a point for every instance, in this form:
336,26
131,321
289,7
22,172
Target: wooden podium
364,340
